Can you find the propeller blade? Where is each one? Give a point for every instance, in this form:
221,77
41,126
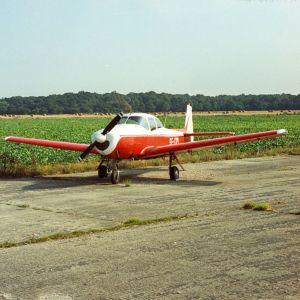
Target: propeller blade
86,151
112,123
107,129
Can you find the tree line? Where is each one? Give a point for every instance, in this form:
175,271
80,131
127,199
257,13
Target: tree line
86,102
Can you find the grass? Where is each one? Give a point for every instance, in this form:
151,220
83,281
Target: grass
249,204
22,170
127,182
80,233
23,205
19,160
263,206
137,221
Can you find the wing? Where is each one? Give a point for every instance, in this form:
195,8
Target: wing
210,143
208,133
52,144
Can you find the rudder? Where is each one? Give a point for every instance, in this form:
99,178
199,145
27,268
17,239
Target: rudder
188,124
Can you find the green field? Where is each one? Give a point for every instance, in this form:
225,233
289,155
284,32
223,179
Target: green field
79,130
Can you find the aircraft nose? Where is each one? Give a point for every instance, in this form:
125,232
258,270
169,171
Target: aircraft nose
99,137
100,140
105,144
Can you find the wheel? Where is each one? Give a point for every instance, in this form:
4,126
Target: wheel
174,173
102,171
115,176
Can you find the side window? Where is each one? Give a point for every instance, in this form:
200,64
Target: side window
144,123
152,123
158,123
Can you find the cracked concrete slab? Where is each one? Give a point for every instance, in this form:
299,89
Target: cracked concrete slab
223,252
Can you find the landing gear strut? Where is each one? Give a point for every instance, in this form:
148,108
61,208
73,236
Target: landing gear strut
173,170
110,167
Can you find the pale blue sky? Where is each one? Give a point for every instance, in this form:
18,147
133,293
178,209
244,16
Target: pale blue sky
177,46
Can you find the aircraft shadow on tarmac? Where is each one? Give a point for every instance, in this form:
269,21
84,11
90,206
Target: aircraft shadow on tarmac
133,175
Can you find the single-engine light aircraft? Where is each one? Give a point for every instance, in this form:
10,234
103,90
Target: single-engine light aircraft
142,136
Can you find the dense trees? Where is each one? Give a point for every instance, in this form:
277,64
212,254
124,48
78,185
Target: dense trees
85,102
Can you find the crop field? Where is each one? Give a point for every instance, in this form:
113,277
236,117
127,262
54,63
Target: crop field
79,129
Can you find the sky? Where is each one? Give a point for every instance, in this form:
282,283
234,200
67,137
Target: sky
208,47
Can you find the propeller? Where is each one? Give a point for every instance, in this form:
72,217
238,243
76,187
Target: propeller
100,138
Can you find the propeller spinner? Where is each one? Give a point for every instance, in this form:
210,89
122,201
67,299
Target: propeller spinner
100,138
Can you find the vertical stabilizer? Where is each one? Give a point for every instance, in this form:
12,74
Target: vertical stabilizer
188,125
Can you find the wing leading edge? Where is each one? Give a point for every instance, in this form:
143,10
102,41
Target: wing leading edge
52,144
210,143
206,133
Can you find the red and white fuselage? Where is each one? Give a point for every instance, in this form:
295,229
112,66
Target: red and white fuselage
127,140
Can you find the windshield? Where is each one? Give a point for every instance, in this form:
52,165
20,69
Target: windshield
122,120
136,120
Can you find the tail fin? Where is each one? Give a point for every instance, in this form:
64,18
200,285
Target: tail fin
188,125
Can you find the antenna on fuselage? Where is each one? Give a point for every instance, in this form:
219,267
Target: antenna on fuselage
166,115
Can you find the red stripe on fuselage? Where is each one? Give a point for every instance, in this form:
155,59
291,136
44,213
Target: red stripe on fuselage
132,146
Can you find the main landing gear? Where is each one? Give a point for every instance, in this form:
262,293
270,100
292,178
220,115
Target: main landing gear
174,173
110,167
173,170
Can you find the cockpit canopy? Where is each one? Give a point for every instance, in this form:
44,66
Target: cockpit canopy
148,122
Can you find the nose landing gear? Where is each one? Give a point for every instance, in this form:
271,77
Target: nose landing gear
115,176
103,171
110,167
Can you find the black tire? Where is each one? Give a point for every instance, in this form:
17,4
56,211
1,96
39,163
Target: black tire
115,176
102,172
174,173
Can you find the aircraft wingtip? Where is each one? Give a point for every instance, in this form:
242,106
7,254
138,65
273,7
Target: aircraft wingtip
7,138
282,131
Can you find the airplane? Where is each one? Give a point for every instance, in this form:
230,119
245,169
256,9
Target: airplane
138,136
